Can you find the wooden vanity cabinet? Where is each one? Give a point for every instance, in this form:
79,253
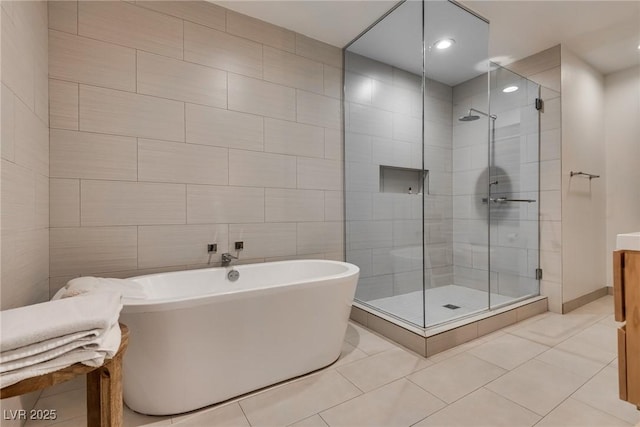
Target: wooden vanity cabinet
626,292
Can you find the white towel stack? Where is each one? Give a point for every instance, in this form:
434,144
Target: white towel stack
42,338
83,285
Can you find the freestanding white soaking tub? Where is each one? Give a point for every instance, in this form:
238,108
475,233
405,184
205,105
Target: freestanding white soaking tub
199,338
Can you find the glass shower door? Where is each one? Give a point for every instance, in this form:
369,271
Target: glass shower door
514,188
384,176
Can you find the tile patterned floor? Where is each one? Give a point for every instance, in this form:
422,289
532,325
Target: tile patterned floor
548,371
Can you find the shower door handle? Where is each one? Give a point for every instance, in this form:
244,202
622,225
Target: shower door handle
505,200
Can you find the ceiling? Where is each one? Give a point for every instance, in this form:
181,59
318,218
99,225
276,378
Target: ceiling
605,33
397,40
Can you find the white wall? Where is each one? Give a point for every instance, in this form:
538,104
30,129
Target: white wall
583,200
622,144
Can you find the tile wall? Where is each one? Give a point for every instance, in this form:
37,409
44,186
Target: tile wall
384,229
25,154
177,124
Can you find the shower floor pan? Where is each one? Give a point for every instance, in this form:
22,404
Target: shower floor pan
472,320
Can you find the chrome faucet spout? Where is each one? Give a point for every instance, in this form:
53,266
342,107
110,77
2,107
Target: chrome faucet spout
227,258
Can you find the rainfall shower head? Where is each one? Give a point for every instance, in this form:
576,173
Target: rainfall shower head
471,117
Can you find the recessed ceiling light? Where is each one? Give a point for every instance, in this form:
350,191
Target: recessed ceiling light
510,89
639,47
444,43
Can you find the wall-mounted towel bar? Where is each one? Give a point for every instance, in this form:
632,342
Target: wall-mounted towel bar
589,175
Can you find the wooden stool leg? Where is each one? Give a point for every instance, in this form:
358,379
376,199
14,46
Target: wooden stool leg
104,394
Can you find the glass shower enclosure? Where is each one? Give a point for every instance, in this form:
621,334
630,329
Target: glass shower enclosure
441,168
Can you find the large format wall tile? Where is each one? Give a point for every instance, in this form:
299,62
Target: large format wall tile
131,203
184,124
160,246
84,60
161,161
125,24
224,128
293,205
170,78
319,174
63,16
92,156
291,70
263,98
318,51
63,105
208,204
293,138
31,140
64,210
200,12
221,50
78,251
122,113
318,110
250,168
265,240
260,31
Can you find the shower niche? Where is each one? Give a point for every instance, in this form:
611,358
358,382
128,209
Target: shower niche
426,116
395,179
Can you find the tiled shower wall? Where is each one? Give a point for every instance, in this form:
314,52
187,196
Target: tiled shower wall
384,230
25,154
178,124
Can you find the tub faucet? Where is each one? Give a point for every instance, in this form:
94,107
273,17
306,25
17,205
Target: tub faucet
227,258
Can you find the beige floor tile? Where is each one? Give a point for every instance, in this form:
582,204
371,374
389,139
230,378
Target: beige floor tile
482,408
572,413
610,321
73,422
134,419
537,386
602,305
556,328
68,405
508,351
298,400
314,421
400,403
74,384
365,340
349,354
455,377
571,362
382,368
227,415
598,342
439,357
601,392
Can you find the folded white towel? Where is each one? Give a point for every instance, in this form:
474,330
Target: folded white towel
40,323
92,354
82,285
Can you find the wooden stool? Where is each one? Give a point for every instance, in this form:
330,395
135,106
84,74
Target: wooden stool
104,386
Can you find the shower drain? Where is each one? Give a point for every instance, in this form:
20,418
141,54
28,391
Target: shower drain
451,306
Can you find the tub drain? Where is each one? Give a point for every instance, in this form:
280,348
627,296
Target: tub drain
451,306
